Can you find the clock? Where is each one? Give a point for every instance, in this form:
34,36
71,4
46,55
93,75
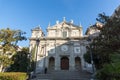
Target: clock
64,48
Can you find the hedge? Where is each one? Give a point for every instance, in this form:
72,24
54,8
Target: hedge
13,76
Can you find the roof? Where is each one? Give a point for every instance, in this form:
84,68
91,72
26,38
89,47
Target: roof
38,28
59,25
96,27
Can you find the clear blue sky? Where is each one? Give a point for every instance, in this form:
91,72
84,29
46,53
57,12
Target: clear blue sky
27,14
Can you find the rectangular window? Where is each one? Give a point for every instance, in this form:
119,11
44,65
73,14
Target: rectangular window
64,34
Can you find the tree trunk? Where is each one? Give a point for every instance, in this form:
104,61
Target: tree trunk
1,68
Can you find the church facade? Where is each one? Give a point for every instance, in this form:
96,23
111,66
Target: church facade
61,49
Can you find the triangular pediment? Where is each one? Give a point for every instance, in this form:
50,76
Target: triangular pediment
63,25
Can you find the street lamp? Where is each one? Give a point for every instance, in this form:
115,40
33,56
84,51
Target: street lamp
91,56
29,59
37,44
29,65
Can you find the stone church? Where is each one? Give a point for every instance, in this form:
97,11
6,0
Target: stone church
62,48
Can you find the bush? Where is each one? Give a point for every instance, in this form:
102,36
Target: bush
13,76
110,71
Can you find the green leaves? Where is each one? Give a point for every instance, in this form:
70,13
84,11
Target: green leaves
5,61
106,49
109,51
11,36
110,43
110,71
102,18
9,39
21,61
8,43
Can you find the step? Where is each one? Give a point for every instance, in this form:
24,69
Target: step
64,75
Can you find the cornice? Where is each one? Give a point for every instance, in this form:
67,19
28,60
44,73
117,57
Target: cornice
60,38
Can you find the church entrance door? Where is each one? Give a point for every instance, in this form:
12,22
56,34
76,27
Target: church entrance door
64,63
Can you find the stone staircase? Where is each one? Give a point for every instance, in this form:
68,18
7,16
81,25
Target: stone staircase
64,75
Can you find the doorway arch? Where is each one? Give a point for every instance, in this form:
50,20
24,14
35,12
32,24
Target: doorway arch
77,63
64,63
51,63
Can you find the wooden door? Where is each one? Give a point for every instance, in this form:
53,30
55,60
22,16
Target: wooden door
64,63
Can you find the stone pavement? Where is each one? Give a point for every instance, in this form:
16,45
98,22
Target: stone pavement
64,75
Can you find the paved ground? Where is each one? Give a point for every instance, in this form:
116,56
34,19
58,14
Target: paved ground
64,75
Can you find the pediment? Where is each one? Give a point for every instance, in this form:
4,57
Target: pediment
63,25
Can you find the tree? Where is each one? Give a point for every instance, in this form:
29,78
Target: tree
110,71
108,42
106,48
8,40
21,61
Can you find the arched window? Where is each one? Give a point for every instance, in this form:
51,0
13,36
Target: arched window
77,63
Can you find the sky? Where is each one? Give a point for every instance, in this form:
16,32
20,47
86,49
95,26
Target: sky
27,14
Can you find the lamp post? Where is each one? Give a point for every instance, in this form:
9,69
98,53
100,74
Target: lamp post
91,57
29,66
45,68
37,44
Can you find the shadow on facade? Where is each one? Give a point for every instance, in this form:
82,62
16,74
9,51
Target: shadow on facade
67,56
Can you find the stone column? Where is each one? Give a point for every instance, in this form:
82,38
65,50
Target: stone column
57,63
71,58
57,58
82,59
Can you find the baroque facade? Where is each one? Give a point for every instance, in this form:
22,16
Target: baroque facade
61,49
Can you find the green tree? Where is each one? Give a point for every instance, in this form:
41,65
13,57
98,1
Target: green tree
106,49
108,42
8,41
21,61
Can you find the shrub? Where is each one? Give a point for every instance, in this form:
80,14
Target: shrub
13,76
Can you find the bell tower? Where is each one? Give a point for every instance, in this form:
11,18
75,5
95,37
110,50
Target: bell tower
37,32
